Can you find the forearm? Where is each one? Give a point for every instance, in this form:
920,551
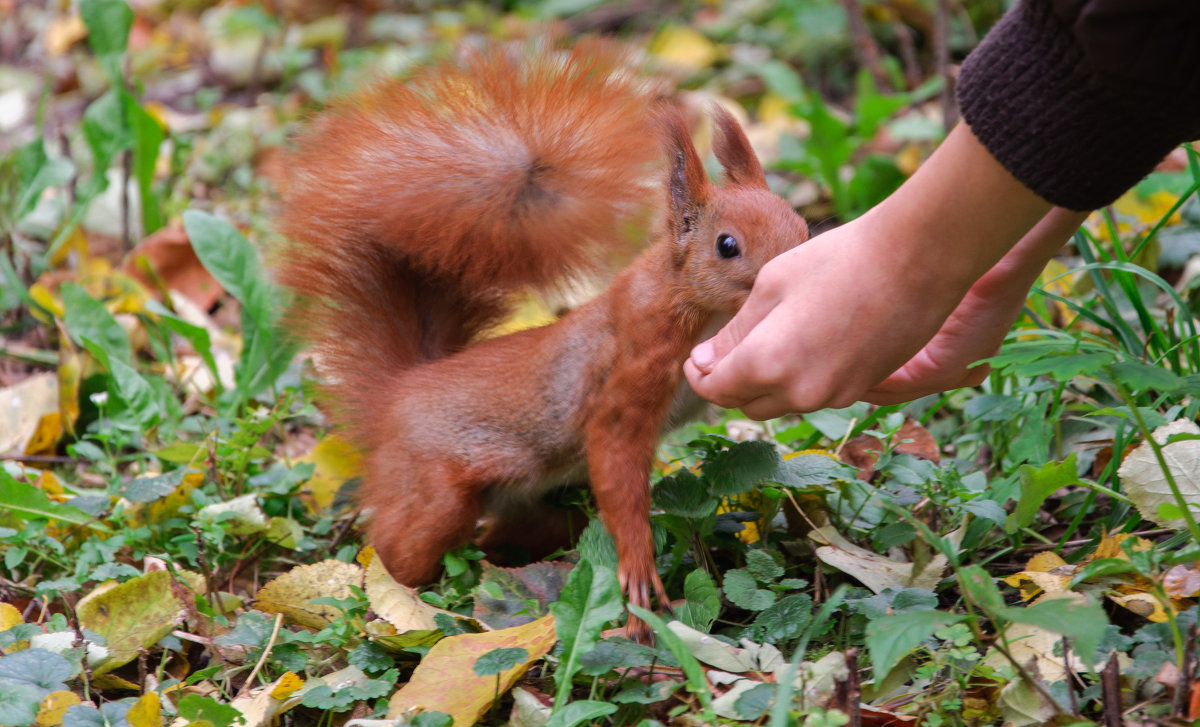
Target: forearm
954,219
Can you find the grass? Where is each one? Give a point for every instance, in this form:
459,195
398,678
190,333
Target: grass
178,538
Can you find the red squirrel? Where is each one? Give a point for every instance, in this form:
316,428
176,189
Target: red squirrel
414,212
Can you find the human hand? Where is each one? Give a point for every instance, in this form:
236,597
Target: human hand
824,323
978,325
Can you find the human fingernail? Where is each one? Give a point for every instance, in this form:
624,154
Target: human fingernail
704,356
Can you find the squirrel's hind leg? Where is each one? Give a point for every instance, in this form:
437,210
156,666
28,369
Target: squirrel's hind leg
418,510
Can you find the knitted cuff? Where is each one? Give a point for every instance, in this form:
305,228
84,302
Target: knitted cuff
1030,96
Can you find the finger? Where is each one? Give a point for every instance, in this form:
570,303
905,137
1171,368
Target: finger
758,305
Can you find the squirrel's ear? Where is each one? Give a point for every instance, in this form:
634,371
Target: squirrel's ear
688,187
734,152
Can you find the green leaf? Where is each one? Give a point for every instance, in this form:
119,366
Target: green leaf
812,470
1038,483
498,660
432,719
194,707
763,567
37,172
148,135
580,712
87,318
1085,623
786,619
703,602
753,703
892,637
106,132
108,23
230,258
19,704
683,494
39,668
148,489
1066,367
982,589
742,591
783,80
1138,377
696,682
30,503
741,468
589,600
992,408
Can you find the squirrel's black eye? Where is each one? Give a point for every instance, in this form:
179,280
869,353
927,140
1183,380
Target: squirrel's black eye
727,246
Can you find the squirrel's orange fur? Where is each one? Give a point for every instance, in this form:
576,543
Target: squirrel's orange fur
416,209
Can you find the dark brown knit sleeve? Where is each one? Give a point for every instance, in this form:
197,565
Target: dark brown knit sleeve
1080,99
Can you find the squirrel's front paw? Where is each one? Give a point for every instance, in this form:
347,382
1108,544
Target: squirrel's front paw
637,586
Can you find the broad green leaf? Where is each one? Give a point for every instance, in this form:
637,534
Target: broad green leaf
581,712
782,80
762,566
786,619
106,132
1038,483
891,638
812,470
87,318
703,602
1138,377
19,704
194,708
589,600
742,591
992,408
741,468
498,660
1084,622
982,589
683,494
147,489
29,503
108,23
1066,367
37,172
39,668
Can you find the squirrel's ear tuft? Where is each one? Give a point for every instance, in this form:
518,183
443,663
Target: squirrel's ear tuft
688,188
734,152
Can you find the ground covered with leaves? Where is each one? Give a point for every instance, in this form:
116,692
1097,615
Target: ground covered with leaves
179,544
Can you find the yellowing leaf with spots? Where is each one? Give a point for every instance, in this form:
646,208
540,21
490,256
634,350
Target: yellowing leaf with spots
445,680
137,613
9,616
146,711
290,593
334,461
54,706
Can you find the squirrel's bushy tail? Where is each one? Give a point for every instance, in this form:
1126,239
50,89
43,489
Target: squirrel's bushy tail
413,209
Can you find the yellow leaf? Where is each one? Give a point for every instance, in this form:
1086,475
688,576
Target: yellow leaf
399,604
1135,213
531,312
9,616
290,593
46,434
145,712
1143,604
62,33
137,613
445,681
287,684
70,376
334,460
680,46
22,406
54,706
1046,572
45,300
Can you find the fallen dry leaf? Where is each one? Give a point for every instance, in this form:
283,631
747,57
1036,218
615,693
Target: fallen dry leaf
1145,483
290,593
873,570
445,681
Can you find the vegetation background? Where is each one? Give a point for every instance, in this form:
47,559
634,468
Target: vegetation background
177,542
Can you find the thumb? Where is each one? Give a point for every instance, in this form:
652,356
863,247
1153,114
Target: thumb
707,354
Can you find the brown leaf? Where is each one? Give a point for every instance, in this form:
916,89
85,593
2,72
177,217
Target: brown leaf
170,258
864,450
1182,581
